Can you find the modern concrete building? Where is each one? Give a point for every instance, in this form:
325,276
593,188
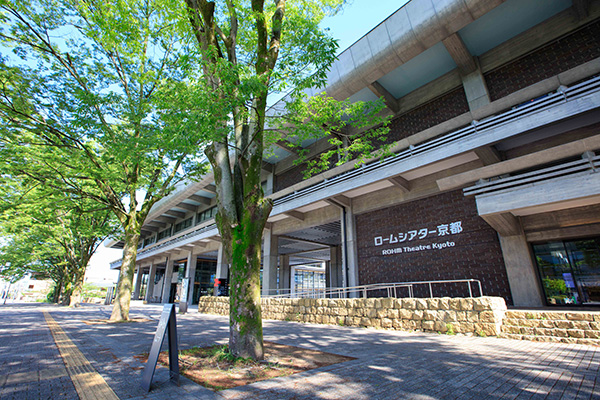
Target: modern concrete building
496,121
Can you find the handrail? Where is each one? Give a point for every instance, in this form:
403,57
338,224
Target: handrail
560,96
357,291
584,165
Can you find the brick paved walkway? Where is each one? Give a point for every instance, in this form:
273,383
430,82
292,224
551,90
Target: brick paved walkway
389,365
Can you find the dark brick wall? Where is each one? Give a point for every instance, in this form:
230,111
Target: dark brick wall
443,108
446,107
294,175
476,252
552,59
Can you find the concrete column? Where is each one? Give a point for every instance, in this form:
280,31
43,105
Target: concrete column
167,278
222,265
334,269
190,273
184,300
138,283
269,187
284,274
150,288
520,269
476,90
349,251
270,263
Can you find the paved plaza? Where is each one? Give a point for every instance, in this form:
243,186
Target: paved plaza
388,364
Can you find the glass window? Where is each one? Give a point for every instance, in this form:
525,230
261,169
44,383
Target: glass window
183,225
308,280
570,271
207,214
164,234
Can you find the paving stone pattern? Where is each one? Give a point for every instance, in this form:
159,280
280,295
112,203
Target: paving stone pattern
388,364
30,364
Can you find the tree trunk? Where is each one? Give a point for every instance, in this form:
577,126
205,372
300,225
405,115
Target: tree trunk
120,311
245,317
241,219
76,293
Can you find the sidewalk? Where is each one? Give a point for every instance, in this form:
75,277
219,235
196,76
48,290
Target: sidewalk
388,365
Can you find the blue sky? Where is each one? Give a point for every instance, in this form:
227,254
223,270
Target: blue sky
358,18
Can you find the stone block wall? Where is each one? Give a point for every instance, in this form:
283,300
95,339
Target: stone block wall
478,316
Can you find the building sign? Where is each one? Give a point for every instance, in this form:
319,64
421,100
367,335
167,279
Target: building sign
442,230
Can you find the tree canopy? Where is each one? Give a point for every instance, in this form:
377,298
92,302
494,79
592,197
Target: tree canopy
95,101
49,235
105,99
250,49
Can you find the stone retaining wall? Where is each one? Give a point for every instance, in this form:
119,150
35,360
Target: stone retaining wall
480,316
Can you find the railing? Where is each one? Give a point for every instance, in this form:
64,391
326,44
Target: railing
561,96
391,289
583,166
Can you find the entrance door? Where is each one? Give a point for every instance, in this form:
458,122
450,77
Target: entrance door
173,293
570,271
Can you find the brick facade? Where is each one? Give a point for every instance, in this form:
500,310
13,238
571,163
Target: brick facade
442,109
435,112
475,252
556,57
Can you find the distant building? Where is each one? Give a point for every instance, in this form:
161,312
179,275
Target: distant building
27,289
496,108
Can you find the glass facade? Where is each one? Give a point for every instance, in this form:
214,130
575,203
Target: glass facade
305,280
143,285
204,280
570,271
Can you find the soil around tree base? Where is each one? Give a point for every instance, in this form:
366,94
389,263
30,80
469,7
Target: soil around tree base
218,372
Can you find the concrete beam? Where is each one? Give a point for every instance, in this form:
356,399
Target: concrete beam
175,213
570,232
581,8
164,218
282,144
460,54
307,251
189,207
505,224
200,199
505,167
157,223
267,167
390,100
401,183
295,214
488,155
210,188
339,201
300,240
562,218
